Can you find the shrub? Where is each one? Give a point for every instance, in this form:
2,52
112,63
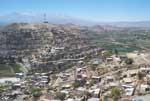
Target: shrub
36,92
129,61
115,93
60,96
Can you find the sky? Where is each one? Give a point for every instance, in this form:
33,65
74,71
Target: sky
92,10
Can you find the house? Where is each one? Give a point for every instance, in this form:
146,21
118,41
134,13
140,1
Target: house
93,99
127,86
144,88
136,99
123,57
116,59
110,59
96,93
127,80
113,84
9,80
131,73
109,79
66,86
64,91
145,70
96,79
81,90
96,61
129,91
19,75
70,99
16,85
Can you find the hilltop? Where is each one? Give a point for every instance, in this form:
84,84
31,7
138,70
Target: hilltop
43,43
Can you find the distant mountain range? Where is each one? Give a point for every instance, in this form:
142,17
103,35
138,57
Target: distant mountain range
31,18
131,24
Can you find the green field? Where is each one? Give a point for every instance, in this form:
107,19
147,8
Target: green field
9,69
128,41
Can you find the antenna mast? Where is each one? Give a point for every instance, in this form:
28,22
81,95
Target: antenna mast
45,21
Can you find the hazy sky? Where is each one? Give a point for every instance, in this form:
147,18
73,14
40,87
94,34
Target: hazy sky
94,10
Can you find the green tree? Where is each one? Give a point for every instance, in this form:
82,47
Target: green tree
76,84
2,88
36,92
60,96
116,52
129,61
115,93
140,76
93,67
108,54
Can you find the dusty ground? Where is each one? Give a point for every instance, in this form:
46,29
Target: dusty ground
142,58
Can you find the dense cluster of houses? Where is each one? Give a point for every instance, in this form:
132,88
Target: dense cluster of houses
43,46
91,80
64,66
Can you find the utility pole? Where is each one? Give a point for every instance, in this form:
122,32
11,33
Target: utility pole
45,21
75,72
